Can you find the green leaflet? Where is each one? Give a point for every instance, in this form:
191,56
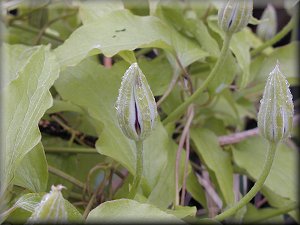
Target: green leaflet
32,172
26,98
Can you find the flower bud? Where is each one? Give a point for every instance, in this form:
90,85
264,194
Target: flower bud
275,116
291,6
136,107
235,15
268,26
51,208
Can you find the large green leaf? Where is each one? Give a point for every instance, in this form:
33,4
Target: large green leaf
282,180
91,11
257,215
32,172
216,160
96,92
26,98
16,57
195,189
158,73
113,34
277,201
287,58
125,211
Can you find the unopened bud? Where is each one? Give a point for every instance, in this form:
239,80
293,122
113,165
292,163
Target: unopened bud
51,208
291,6
268,26
275,116
136,107
235,15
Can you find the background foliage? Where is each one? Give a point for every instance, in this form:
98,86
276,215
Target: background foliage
62,65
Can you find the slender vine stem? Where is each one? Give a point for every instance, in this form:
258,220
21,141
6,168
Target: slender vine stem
70,150
94,196
138,170
257,186
275,39
66,176
179,110
36,31
179,150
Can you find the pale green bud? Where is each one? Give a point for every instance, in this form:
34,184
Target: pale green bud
267,28
51,208
291,6
136,107
275,116
235,15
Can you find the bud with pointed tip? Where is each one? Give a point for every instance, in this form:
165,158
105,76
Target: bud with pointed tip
235,15
51,208
267,28
275,116
136,107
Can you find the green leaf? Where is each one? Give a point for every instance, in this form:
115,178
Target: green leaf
16,57
254,214
277,201
225,76
195,189
125,210
27,202
32,172
282,179
113,33
216,160
60,106
183,211
66,163
158,73
26,98
202,35
93,10
287,58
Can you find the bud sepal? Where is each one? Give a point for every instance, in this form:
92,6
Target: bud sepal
275,116
136,106
235,15
268,26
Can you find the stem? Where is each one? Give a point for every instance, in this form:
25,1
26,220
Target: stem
94,196
178,111
36,31
187,157
275,39
257,186
138,170
42,31
183,137
70,150
66,176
